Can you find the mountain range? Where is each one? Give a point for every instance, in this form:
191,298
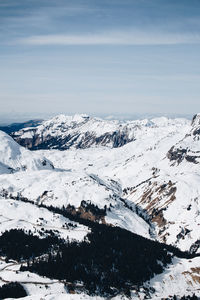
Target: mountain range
76,182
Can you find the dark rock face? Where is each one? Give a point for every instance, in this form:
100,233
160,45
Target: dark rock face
195,247
184,149
196,131
192,158
77,140
196,127
178,155
196,120
175,154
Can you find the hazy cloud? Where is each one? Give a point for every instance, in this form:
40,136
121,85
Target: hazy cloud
112,38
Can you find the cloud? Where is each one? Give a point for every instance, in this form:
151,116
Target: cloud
112,38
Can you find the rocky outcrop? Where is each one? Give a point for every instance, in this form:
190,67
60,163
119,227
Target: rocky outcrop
188,148
78,140
88,211
175,154
79,132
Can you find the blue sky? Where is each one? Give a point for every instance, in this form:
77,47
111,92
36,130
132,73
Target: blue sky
100,57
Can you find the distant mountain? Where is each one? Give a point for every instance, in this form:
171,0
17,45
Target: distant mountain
79,131
17,126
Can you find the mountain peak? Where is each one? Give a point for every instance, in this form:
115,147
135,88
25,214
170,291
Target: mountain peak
81,131
196,120
72,118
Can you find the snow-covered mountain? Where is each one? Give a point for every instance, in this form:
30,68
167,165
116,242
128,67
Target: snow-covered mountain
44,184
187,148
13,157
172,195
142,176
79,131
144,173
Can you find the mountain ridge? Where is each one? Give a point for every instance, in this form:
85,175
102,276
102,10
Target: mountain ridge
81,132
135,187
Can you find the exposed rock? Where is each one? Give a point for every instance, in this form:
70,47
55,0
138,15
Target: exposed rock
80,132
184,149
196,120
88,211
175,154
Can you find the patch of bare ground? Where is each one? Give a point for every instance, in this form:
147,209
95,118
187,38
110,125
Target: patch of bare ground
159,219
146,197
196,270
153,197
194,274
86,214
164,237
170,200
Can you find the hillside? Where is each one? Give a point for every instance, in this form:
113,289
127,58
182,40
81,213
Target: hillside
133,198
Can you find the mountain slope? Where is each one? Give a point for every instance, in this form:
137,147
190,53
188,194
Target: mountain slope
138,183
15,157
80,131
169,194
172,196
84,193
189,147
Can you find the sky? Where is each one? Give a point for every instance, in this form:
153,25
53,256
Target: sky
99,57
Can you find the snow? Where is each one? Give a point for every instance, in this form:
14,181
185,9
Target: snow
72,188
135,163
180,278
120,178
63,296
18,158
73,131
30,217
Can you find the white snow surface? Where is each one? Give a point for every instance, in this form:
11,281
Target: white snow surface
14,157
180,278
32,218
145,159
139,173
82,131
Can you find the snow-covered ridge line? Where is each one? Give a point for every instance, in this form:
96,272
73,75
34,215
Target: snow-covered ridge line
188,147
148,177
81,131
